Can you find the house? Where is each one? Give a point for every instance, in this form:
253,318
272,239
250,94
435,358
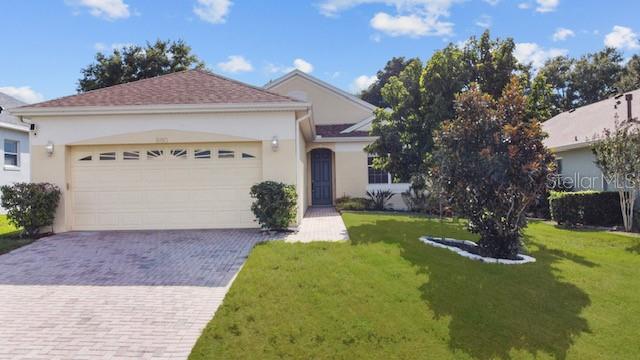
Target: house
182,150
14,137
572,133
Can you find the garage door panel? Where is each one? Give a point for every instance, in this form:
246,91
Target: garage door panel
166,192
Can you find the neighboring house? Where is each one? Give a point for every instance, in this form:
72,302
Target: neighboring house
572,133
182,150
14,137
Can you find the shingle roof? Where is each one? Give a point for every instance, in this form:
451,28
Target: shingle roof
577,128
8,102
335,131
185,87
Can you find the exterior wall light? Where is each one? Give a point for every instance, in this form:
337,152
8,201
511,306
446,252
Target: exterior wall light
49,147
275,144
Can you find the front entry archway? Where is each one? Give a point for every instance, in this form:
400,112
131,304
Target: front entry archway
321,177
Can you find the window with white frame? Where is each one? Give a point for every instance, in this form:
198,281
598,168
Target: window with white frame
377,176
11,155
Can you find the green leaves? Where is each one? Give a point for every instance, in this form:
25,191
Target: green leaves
275,204
30,206
493,165
134,62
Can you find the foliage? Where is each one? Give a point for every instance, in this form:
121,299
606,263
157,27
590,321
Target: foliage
585,208
541,207
10,236
401,143
352,203
540,99
578,82
373,95
135,62
579,300
630,79
416,198
379,199
275,204
421,99
30,206
616,153
493,165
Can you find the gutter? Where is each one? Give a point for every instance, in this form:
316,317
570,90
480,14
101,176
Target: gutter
344,139
158,109
15,127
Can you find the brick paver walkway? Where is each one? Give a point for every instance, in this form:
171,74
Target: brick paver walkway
95,295
320,224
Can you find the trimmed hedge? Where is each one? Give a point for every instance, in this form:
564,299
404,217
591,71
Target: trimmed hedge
586,208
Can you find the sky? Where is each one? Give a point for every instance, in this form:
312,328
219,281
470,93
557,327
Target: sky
46,43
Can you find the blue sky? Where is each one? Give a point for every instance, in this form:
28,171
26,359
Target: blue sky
344,42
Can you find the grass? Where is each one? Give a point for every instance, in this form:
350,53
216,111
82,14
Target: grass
10,237
384,295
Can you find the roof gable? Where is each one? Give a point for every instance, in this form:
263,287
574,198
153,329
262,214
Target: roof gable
190,87
577,128
297,73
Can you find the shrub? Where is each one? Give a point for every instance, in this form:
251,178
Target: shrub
416,198
30,206
586,208
378,199
353,204
275,204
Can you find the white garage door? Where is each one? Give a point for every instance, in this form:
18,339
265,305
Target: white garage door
164,186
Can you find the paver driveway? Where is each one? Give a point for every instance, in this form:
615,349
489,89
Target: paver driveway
142,294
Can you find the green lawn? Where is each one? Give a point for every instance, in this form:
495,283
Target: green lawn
9,237
384,295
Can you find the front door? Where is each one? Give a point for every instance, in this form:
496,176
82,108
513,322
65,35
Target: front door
321,177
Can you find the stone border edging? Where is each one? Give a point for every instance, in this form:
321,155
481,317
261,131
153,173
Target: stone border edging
428,240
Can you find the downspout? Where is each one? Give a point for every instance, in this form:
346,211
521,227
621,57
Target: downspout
297,144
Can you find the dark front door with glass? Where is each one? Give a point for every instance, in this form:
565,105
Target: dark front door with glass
321,192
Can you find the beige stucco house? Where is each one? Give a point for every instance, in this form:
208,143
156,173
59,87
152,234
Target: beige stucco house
182,150
571,134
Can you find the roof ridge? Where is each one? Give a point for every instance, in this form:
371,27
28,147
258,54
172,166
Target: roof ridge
210,73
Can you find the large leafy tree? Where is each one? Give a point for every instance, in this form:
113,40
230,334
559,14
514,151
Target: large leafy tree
419,103
394,67
594,76
540,99
557,72
493,165
630,78
616,154
401,144
491,62
135,62
578,82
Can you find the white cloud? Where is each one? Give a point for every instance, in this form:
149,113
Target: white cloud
484,21
409,25
547,5
235,64
362,82
22,93
492,2
622,37
524,6
213,11
563,34
413,18
534,54
302,65
106,9
298,64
